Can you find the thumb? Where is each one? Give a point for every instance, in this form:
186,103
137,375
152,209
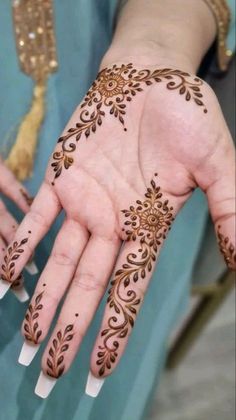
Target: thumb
216,178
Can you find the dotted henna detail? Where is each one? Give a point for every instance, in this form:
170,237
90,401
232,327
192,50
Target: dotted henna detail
227,249
147,223
113,88
60,344
13,253
32,331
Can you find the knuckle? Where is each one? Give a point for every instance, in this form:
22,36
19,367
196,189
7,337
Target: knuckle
61,258
37,218
88,282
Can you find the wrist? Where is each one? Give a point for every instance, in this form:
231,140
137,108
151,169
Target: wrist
174,33
149,54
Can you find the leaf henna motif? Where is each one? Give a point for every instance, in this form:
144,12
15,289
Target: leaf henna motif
112,89
32,331
13,253
227,249
55,365
148,223
17,283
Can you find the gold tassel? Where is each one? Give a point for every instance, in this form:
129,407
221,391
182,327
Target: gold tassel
21,157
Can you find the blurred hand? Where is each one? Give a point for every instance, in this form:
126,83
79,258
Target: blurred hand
11,188
130,157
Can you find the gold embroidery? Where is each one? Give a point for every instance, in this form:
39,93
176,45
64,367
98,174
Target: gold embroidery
35,41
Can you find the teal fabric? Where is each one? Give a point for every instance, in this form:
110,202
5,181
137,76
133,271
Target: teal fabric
231,35
83,32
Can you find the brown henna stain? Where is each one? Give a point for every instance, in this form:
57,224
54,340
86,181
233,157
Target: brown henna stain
55,360
112,89
32,331
227,249
56,354
13,253
29,200
147,223
18,283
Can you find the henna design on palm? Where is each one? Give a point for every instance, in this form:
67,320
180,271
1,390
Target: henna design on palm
13,253
148,223
112,89
227,249
55,360
32,331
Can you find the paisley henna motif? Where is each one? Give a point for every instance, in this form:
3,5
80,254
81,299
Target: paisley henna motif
112,89
13,253
32,331
227,249
148,222
55,360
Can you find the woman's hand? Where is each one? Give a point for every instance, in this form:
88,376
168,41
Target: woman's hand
15,191
130,157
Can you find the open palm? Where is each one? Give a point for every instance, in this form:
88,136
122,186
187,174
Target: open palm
131,155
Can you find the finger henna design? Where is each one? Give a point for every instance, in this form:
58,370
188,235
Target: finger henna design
13,253
32,331
18,283
55,360
148,224
227,249
112,89
29,200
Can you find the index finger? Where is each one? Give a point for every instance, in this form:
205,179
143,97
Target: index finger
13,189
34,226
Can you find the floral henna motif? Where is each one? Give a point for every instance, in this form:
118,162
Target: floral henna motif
32,331
148,222
112,89
55,360
227,249
13,253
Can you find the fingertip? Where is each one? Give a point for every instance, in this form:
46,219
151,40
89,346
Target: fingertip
93,385
44,385
4,287
21,294
28,352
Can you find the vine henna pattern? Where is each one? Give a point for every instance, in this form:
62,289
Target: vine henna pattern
111,90
227,249
13,253
148,223
60,344
32,332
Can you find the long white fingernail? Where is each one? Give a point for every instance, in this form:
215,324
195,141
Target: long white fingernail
31,268
4,286
27,353
44,385
93,385
21,294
